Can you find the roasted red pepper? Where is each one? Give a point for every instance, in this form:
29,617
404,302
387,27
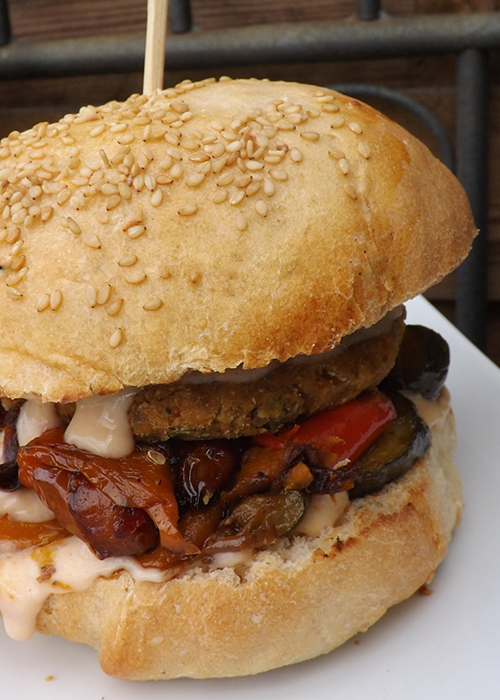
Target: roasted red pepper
340,435
135,481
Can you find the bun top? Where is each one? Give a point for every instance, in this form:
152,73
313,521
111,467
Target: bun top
207,226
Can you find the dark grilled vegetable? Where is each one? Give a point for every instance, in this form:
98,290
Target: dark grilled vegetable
258,521
402,443
9,477
422,363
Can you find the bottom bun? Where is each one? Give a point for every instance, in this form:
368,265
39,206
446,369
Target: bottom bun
302,599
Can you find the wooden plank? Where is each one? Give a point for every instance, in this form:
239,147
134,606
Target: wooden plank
55,19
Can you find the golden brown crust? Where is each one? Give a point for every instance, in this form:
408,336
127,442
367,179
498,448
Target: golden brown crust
356,217
294,603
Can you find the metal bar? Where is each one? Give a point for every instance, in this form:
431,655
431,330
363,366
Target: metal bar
4,23
261,44
179,12
472,170
368,10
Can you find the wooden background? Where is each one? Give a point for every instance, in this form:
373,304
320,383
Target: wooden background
430,80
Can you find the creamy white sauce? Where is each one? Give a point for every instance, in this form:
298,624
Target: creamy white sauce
24,587
100,425
323,511
34,419
25,506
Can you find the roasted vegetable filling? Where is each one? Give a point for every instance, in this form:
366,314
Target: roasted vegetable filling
177,501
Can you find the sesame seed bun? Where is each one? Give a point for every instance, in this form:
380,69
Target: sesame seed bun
297,601
211,225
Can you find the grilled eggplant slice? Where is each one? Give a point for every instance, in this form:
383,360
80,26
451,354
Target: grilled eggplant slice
422,363
396,450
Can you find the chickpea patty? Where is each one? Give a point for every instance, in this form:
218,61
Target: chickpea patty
287,392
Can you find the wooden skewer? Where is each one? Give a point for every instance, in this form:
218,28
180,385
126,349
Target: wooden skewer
156,34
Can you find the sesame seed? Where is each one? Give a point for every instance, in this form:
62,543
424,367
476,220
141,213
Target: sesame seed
103,294
325,99
261,207
254,165
124,190
344,166
280,175
128,260
171,138
296,155
113,202
237,198
156,457
253,188
188,209
336,154
286,125
329,109
35,192
56,298
115,307
355,127
219,164
337,122
351,191
229,136
195,179
135,277
116,338
138,182
14,293
164,180
97,130
243,181
273,159
152,304
176,171
179,107
218,149
364,149
220,197
91,240
269,187
91,295
156,197
17,261
19,216
136,231
46,213
234,146
126,139
199,157
226,179
241,222
17,277
104,158
109,189
13,235
73,226
63,196
43,303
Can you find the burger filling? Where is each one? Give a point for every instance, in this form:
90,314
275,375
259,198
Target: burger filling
209,468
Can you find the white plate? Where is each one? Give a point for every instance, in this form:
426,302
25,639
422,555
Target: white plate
439,647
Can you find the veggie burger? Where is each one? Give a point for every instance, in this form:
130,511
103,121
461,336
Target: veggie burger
222,450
